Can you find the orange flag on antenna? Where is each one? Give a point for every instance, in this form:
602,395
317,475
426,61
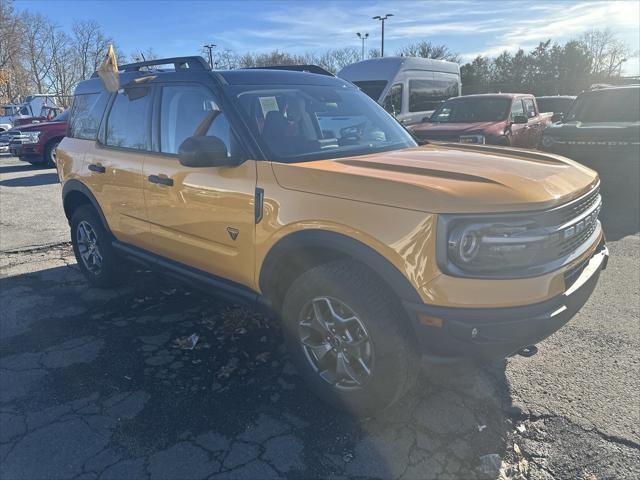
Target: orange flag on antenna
108,71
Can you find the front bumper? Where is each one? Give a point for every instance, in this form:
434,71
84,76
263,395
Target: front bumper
448,334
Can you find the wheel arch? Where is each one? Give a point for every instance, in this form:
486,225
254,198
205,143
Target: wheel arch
75,194
297,252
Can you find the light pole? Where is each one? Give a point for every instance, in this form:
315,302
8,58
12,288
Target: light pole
382,19
210,48
363,37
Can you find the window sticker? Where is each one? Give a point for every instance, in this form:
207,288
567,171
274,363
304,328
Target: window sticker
268,104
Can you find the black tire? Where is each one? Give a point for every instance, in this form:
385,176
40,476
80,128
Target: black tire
394,359
48,157
110,271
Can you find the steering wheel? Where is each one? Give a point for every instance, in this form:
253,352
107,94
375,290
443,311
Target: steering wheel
352,134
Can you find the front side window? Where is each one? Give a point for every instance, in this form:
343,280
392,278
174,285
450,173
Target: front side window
472,110
295,123
529,107
425,95
128,122
86,114
184,109
517,109
393,100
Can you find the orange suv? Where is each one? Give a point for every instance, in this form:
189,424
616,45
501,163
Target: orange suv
297,191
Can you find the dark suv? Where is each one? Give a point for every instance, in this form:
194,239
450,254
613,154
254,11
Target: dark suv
605,120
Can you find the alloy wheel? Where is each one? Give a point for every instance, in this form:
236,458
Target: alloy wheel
88,247
336,343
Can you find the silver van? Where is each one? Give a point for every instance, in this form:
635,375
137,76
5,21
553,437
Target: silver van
408,87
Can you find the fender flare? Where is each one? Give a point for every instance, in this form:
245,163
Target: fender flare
348,246
74,185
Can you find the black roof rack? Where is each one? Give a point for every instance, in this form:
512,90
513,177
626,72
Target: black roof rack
179,63
297,68
193,63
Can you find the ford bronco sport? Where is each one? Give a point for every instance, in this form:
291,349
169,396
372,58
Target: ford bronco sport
297,191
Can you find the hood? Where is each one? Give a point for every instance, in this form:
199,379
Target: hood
435,130
445,179
39,126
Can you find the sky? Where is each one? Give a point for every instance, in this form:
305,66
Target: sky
470,28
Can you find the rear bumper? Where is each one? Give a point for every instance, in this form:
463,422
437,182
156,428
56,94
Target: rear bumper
493,333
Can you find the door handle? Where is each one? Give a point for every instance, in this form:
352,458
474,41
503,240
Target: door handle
96,167
157,179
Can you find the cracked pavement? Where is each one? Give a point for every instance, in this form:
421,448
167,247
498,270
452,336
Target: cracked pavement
94,385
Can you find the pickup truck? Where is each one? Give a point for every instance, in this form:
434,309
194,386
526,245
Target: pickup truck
507,119
36,143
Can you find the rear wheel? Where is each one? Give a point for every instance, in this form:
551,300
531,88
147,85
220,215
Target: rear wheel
92,247
348,337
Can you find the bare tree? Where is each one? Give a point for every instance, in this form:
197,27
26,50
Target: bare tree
90,44
13,77
606,51
427,49
336,59
143,55
37,34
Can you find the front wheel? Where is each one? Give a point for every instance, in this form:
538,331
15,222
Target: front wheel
348,337
92,247
50,154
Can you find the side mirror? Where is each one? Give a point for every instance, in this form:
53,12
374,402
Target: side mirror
203,151
557,117
520,120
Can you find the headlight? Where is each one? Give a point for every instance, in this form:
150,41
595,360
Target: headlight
486,247
472,139
548,140
519,244
31,137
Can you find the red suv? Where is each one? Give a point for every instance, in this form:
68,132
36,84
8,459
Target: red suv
36,143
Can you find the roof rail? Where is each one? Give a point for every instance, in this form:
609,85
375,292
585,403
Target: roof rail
179,63
297,68
194,62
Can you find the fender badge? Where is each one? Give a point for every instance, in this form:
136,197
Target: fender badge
233,232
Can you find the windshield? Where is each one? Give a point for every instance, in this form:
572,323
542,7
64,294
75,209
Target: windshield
295,123
606,106
472,110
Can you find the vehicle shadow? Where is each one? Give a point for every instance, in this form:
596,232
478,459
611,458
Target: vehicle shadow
25,167
32,181
233,405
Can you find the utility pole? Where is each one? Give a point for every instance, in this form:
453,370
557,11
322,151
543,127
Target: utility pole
382,19
363,37
209,47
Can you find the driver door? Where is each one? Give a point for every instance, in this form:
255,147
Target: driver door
202,217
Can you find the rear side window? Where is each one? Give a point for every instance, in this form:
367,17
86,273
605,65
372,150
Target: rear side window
128,121
86,114
529,108
425,95
393,100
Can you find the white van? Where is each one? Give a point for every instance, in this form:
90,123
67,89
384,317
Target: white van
408,87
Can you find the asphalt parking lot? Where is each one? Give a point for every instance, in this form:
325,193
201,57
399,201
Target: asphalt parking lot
94,384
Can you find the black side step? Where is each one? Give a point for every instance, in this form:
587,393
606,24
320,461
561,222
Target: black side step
204,281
